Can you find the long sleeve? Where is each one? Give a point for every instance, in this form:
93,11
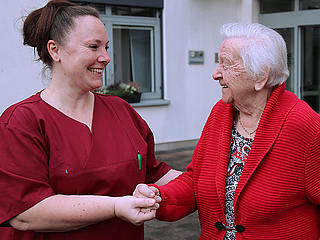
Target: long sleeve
178,199
312,173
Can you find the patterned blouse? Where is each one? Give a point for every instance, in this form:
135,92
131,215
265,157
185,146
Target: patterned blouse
239,150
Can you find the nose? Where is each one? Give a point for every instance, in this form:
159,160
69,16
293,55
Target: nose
217,74
104,57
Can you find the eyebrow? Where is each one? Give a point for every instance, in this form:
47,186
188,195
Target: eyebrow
97,41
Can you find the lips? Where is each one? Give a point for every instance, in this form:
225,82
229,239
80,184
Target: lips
223,85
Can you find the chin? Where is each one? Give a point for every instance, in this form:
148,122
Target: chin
227,100
97,84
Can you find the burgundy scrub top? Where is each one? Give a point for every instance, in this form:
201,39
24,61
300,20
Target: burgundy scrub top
44,152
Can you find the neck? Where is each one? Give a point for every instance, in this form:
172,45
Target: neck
245,130
62,94
75,104
249,114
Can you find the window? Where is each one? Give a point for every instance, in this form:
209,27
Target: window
287,34
134,35
133,55
274,6
300,27
310,65
309,4
134,11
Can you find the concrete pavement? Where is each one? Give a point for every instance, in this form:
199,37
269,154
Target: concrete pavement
187,228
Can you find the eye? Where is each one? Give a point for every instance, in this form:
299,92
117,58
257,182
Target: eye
222,63
93,46
227,65
107,47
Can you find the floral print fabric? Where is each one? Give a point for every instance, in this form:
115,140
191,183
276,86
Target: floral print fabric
239,150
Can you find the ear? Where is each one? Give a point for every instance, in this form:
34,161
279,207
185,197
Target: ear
53,50
261,82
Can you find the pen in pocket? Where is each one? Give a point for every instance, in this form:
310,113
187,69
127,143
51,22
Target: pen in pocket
139,159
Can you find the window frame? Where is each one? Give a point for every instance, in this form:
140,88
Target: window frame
109,21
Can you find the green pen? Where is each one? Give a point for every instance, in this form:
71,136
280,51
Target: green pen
139,160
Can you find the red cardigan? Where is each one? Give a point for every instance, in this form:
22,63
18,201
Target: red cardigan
278,194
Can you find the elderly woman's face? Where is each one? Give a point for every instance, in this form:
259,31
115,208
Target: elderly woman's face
235,82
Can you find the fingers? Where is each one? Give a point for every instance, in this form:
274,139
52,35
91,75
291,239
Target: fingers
147,216
143,217
157,194
144,202
143,190
130,208
147,205
147,199
149,209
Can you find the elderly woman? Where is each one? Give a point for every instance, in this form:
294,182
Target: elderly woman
255,171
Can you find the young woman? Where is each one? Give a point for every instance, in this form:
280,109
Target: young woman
69,156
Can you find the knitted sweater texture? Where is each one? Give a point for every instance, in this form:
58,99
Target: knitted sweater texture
278,194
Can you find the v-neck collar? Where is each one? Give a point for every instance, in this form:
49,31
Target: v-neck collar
61,113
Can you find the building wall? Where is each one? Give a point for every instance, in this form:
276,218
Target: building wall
191,25
20,76
187,25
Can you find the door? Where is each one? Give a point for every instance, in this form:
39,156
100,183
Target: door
298,22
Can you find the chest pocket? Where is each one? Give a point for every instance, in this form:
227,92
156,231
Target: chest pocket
113,165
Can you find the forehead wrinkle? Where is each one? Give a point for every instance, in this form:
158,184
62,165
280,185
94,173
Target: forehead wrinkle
228,54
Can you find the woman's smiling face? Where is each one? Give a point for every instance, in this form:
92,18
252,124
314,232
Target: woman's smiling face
84,55
236,84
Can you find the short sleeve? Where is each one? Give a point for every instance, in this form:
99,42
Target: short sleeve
155,169
23,171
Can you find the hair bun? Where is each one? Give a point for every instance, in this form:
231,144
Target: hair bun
53,21
38,23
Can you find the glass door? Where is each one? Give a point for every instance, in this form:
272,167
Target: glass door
311,65
288,36
299,24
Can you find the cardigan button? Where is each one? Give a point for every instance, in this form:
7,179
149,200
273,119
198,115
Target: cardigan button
219,226
240,228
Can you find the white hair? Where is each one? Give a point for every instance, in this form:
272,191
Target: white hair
263,49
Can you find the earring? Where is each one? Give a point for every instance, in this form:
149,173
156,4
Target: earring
257,88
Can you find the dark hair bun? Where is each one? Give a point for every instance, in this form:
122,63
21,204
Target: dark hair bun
37,25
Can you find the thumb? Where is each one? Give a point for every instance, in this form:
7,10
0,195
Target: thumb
144,202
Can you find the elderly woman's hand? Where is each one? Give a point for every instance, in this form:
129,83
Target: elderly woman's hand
145,191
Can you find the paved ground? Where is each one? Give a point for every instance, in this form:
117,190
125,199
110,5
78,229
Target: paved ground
187,228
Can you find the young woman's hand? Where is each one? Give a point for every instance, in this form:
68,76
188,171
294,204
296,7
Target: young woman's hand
135,210
145,191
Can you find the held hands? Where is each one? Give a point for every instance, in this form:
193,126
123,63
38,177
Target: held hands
130,209
140,207
148,192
